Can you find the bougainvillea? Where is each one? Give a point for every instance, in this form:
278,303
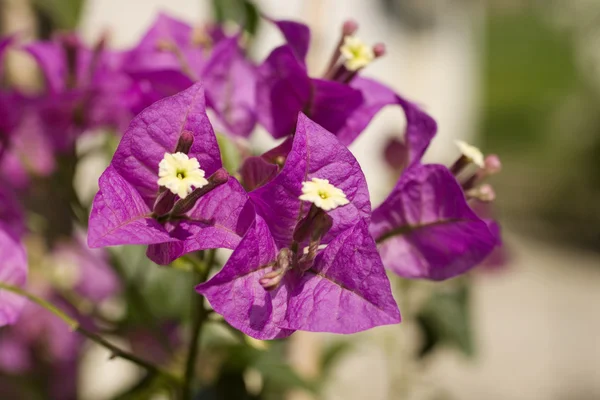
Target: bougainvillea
307,251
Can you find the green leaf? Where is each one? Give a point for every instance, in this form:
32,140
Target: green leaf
446,320
64,14
243,12
230,153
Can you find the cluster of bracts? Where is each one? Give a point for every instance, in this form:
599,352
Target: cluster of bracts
309,253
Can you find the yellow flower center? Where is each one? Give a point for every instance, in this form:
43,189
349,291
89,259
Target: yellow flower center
356,53
180,174
323,194
471,152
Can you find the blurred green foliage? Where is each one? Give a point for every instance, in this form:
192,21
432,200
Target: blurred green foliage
62,14
540,113
445,320
243,12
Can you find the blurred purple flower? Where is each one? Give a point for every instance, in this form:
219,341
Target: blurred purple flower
86,270
40,341
85,88
426,229
172,56
341,288
13,271
129,208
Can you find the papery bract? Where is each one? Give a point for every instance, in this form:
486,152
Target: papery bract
426,229
297,36
122,209
420,127
230,82
347,276
346,290
13,271
315,153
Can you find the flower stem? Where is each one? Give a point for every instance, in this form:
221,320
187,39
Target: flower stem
199,317
75,327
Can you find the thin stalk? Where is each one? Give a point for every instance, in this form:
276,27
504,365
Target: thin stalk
199,317
75,327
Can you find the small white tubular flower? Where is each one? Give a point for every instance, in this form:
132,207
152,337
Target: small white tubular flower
471,152
323,194
356,53
179,173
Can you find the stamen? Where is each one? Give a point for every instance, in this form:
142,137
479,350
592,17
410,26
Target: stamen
349,28
356,53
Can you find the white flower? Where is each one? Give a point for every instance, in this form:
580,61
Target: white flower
179,174
356,53
471,152
323,194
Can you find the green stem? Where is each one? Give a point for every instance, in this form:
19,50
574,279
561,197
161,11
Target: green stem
199,317
75,327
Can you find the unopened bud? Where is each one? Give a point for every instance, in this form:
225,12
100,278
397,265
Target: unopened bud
322,223
184,144
284,258
164,202
396,154
272,279
69,40
350,27
71,45
484,193
379,50
492,164
303,228
184,205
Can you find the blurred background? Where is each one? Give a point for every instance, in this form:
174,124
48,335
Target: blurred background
518,78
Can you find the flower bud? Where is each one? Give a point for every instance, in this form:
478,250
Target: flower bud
271,280
396,154
492,164
184,144
184,205
379,50
349,28
164,202
71,45
484,193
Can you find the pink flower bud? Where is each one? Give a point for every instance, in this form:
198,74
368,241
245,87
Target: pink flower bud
350,27
492,164
184,144
379,50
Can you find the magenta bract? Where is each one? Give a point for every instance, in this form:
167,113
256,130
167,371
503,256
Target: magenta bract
122,209
345,288
425,228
